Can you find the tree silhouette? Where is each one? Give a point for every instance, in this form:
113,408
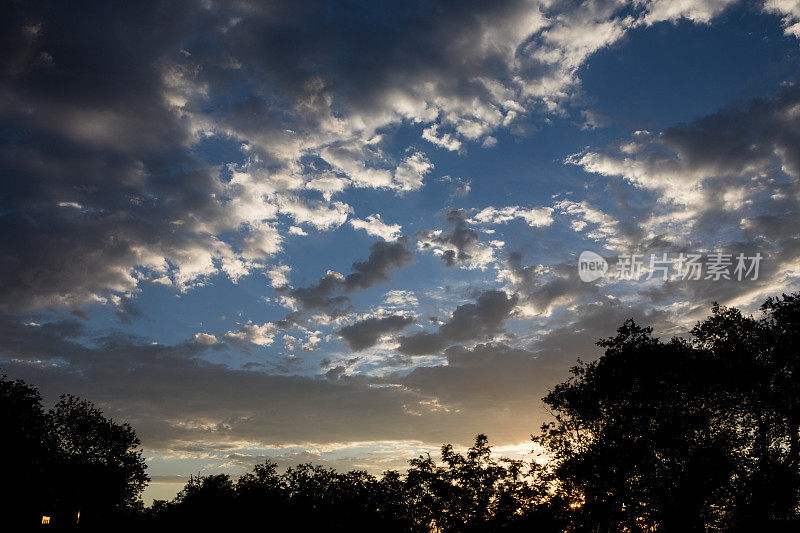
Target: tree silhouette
468,492
683,436
68,460
25,447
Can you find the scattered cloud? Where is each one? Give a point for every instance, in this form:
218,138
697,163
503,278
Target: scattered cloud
459,246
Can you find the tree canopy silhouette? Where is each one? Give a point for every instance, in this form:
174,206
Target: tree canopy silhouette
683,436
462,492
68,460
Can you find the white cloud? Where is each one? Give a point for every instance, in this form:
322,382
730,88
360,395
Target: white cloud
309,341
597,225
535,217
374,225
408,176
699,11
205,339
279,275
401,299
322,215
328,185
444,140
789,11
260,335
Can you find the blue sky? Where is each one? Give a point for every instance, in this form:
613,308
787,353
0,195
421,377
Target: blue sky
349,234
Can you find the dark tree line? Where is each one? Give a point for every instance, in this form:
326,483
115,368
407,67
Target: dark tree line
463,492
668,436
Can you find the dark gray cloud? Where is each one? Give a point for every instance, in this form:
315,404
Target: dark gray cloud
174,397
491,377
309,50
367,332
470,321
83,315
177,400
739,141
502,384
96,175
484,317
749,160
128,311
406,61
741,163
324,295
422,343
458,244
319,296
384,257
502,374
543,288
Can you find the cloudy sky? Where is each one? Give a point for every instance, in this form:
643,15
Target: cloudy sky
349,232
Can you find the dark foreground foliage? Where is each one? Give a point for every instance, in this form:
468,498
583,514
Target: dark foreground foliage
678,436
65,461
684,436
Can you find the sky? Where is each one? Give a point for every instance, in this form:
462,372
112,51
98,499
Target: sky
349,232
